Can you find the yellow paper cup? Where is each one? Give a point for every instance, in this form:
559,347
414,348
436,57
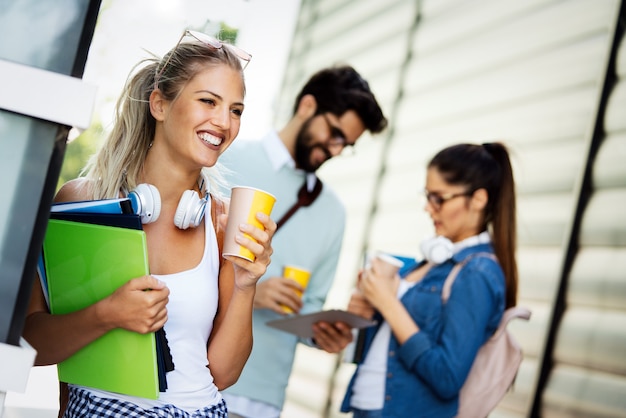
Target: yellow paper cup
298,275
245,203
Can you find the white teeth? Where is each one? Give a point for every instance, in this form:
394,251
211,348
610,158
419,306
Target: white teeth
210,139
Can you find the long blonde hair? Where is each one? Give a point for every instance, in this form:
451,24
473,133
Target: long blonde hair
117,165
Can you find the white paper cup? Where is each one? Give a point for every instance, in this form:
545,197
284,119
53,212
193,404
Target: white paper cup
387,265
245,203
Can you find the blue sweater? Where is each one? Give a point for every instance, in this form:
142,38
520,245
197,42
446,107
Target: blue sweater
311,239
426,373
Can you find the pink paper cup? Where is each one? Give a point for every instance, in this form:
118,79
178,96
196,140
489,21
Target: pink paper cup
245,203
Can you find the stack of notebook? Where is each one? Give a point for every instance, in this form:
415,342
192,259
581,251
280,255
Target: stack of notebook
90,249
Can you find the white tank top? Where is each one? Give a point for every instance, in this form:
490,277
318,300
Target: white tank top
191,310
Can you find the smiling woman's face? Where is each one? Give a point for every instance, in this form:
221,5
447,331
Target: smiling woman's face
202,122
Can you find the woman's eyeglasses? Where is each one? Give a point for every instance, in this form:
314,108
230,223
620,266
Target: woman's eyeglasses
210,42
438,199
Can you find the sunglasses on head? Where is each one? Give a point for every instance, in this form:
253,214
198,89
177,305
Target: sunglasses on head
209,41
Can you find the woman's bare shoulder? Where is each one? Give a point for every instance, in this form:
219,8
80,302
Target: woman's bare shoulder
75,190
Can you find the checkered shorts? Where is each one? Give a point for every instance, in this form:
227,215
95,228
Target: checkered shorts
83,404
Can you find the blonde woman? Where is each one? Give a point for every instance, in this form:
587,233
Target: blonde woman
176,117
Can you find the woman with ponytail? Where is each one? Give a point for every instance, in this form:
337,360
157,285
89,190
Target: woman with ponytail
416,361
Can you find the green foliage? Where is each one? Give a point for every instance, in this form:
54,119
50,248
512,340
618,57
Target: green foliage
78,152
228,33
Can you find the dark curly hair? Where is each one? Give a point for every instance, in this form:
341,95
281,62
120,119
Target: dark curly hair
341,88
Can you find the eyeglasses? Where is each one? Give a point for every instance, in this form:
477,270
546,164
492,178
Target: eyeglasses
438,199
208,41
337,138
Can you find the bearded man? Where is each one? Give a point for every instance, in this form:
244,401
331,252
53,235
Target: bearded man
333,109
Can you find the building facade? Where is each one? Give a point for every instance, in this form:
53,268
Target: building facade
546,77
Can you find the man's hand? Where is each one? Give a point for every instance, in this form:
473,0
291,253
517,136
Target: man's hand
332,337
275,292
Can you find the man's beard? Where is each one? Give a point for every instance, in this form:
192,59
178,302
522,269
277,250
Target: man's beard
304,149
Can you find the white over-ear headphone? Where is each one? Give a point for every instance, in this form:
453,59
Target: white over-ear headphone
146,202
437,249
440,249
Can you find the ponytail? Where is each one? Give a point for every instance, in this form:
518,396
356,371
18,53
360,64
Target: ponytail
504,221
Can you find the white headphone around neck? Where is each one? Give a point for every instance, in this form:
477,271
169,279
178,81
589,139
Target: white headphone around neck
437,249
146,202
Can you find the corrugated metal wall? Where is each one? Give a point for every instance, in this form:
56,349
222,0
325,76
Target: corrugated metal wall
532,74
587,354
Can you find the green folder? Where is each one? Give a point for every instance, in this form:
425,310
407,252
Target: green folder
85,263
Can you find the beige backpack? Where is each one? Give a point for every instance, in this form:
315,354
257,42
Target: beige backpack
495,366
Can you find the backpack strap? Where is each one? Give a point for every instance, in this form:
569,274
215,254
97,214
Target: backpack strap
447,286
509,314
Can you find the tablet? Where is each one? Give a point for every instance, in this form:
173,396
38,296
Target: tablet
302,325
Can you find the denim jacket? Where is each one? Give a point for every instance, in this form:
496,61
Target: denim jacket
426,373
